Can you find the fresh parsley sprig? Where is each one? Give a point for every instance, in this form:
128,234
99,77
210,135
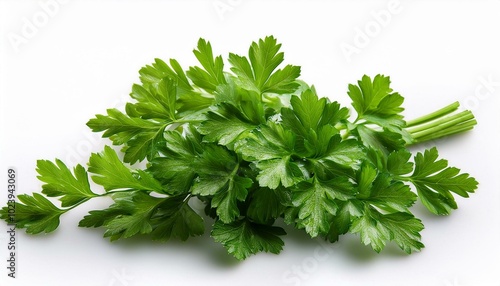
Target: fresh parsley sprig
256,145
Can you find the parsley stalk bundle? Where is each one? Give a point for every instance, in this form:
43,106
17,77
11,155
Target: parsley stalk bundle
259,148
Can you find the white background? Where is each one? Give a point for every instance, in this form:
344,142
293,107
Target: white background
62,63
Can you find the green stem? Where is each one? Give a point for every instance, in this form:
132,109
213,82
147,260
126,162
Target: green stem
450,131
96,196
436,114
114,192
74,206
441,123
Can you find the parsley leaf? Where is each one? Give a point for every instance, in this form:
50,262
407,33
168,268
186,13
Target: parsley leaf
218,176
342,152
398,164
342,221
435,181
313,121
175,218
158,102
112,174
136,217
152,75
272,149
316,203
374,100
376,229
60,182
142,137
176,169
35,213
243,238
98,218
375,103
212,73
308,112
226,125
278,171
140,213
381,191
266,204
372,232
260,72
190,101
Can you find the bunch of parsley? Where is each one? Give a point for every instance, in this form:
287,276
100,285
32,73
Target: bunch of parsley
255,144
